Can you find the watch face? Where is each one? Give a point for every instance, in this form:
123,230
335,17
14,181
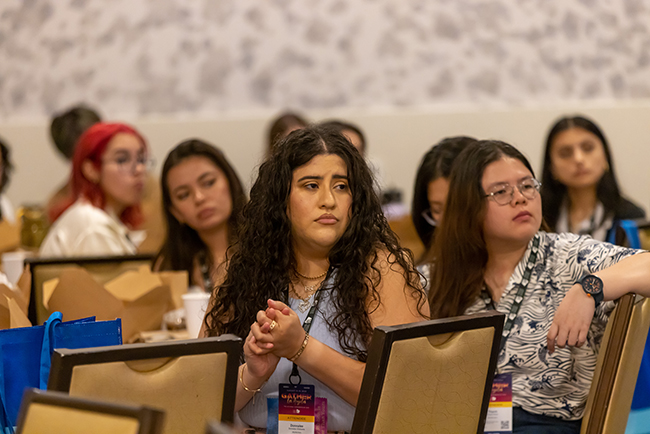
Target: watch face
592,285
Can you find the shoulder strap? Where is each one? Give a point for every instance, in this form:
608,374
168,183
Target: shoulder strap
631,233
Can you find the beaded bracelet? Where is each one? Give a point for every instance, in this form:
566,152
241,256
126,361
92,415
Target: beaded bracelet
246,388
302,348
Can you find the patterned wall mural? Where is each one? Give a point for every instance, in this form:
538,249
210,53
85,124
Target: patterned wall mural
142,57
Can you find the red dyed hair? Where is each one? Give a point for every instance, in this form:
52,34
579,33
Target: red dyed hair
91,146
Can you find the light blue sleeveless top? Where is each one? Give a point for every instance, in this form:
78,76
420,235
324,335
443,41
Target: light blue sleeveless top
339,412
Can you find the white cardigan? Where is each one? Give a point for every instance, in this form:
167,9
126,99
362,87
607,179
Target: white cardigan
85,230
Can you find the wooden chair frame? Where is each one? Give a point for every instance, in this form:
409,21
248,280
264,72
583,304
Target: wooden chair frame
64,361
150,420
608,375
380,353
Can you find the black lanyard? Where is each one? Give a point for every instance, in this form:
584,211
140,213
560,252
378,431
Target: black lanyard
521,292
306,325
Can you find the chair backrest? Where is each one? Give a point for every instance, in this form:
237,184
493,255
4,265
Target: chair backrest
621,351
193,380
57,413
102,268
436,375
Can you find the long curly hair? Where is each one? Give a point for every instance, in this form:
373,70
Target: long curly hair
263,261
182,244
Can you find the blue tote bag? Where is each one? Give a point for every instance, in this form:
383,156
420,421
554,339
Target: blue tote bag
25,355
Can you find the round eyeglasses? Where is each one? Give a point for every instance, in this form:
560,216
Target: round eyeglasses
503,194
129,164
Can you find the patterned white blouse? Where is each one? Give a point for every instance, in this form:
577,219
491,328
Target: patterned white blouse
551,384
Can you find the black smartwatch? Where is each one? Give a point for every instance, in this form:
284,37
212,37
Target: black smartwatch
593,287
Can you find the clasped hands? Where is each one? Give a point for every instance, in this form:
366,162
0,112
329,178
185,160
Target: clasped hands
276,333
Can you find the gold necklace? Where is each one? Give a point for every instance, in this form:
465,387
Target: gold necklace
304,303
320,276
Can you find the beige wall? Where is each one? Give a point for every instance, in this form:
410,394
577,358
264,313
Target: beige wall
397,140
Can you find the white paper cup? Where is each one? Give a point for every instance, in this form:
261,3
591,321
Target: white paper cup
13,264
196,303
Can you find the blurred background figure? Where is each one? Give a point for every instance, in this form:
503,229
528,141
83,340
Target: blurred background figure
203,200
285,123
579,191
351,132
108,175
431,188
65,130
7,212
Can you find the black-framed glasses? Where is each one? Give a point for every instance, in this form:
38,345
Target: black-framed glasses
129,164
502,194
428,217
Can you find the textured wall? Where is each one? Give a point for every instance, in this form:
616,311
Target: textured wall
140,57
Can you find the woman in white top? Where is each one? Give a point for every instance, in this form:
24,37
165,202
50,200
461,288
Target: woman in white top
108,174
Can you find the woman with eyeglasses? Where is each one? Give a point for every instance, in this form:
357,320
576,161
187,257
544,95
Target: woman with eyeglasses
491,252
108,175
432,186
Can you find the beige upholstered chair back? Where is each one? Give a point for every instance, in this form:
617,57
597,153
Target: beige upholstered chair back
57,413
214,427
621,351
193,381
103,269
430,377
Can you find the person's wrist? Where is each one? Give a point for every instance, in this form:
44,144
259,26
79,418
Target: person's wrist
592,286
303,344
249,381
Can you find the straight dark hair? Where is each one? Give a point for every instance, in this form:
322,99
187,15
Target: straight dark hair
553,191
459,251
183,245
436,163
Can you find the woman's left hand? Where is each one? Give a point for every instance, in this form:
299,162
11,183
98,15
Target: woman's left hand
572,319
280,326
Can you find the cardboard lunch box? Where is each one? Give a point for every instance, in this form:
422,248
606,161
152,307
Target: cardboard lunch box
13,304
140,297
9,236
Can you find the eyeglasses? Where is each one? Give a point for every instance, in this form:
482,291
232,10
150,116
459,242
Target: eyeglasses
428,217
503,193
130,164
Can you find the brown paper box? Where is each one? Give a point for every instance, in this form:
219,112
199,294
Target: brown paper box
139,298
9,236
13,309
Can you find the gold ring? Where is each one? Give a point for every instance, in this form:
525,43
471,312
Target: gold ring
272,326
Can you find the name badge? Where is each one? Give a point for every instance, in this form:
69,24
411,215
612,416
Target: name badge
499,415
320,415
296,409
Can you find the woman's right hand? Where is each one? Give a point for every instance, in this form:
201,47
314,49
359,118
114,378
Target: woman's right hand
260,361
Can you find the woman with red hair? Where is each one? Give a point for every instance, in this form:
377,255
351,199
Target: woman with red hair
108,175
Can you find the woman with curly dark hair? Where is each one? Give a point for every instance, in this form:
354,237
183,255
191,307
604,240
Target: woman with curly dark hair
313,235
202,200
